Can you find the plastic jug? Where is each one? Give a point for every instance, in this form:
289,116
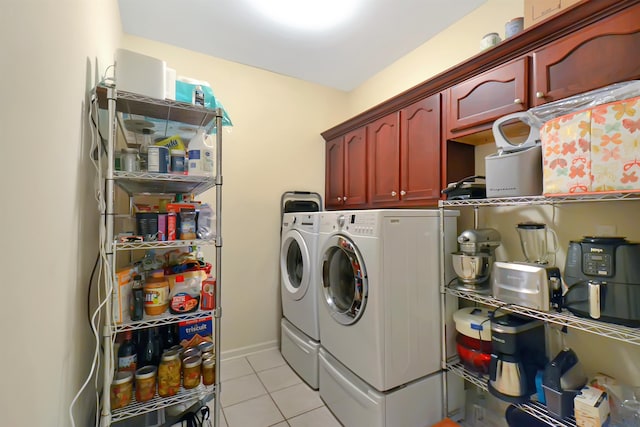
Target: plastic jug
200,155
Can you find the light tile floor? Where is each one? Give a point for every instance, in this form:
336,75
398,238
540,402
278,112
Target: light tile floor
261,390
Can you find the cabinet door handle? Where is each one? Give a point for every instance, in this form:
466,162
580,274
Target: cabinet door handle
339,198
517,101
402,192
344,199
540,95
393,193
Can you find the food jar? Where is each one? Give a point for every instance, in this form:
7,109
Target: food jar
191,372
208,370
129,159
191,351
169,372
156,294
121,389
206,347
146,383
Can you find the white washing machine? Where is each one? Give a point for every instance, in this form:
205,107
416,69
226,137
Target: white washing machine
379,307
300,331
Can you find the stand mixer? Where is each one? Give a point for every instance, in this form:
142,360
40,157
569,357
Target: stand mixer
473,262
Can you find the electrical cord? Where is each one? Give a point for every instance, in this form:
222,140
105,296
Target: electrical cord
104,269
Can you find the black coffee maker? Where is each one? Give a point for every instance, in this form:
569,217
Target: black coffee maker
518,353
603,275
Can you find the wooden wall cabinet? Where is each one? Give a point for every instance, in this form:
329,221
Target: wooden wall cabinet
402,152
487,97
600,54
404,156
346,171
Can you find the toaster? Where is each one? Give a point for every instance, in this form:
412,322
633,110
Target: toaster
526,284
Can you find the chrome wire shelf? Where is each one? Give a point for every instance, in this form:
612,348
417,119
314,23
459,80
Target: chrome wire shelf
164,109
541,200
120,246
202,392
564,318
536,409
162,319
162,183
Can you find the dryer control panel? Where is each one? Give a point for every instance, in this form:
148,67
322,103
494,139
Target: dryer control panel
361,223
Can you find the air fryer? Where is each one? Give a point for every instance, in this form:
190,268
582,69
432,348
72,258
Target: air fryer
603,275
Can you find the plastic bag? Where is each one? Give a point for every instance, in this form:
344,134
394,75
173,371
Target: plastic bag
206,222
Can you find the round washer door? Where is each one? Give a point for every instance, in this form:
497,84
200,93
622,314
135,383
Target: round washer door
295,264
344,280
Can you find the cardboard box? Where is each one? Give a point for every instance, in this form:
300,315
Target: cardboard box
193,332
591,407
595,150
538,10
122,294
566,154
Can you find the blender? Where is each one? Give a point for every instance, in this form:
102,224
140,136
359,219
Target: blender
473,262
533,240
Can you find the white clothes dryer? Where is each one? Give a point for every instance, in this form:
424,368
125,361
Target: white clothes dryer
379,292
300,332
299,279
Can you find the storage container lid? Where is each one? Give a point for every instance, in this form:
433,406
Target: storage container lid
473,322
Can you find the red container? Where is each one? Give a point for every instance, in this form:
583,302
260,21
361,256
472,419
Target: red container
474,353
208,297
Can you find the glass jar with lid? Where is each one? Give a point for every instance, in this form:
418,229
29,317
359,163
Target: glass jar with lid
169,372
208,370
146,383
191,372
121,389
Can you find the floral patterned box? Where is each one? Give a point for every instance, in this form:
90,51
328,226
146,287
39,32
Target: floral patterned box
566,154
615,146
595,150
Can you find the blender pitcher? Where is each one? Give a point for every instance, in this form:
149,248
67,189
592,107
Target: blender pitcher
533,239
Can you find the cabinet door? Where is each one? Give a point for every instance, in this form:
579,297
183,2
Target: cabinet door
488,96
603,53
355,169
334,173
420,150
384,159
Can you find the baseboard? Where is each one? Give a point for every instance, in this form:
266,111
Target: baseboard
251,349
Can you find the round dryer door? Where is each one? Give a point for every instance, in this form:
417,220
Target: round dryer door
344,280
295,264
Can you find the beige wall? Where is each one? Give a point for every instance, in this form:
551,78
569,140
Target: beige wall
274,146
52,53
450,47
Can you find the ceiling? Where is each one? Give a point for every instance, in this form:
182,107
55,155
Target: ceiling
343,56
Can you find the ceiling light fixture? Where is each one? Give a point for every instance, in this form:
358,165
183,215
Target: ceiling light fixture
310,15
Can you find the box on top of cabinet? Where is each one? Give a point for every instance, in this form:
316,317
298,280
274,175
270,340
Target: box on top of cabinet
539,10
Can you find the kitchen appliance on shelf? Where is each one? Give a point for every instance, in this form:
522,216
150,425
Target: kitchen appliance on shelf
534,242
473,338
527,284
516,168
472,263
518,353
562,380
603,276
466,188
